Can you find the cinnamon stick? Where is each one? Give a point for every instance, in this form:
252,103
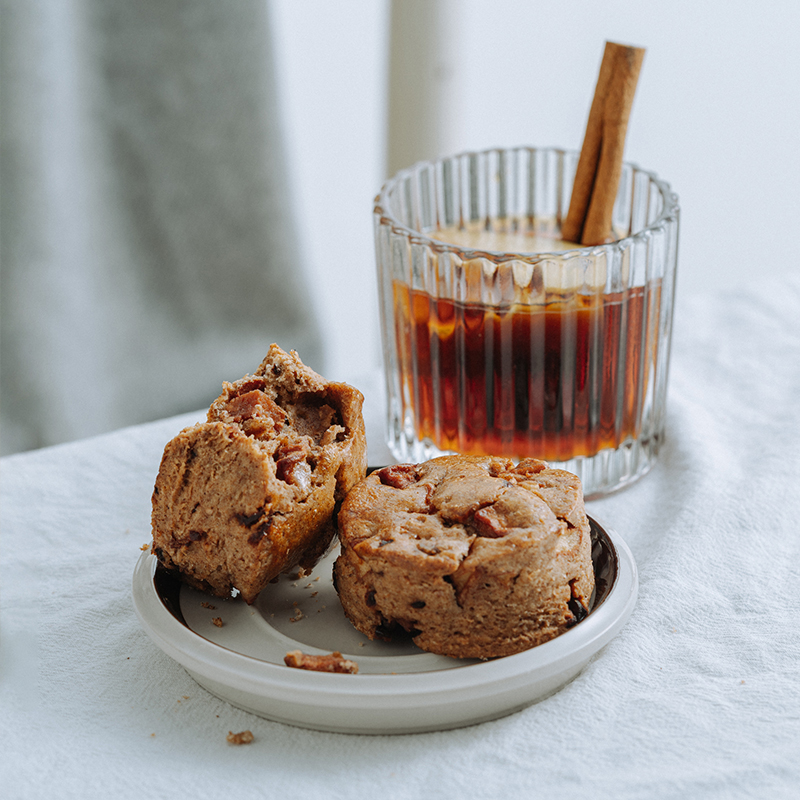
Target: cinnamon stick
599,168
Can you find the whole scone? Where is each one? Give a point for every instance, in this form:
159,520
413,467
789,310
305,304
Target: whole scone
473,556
254,491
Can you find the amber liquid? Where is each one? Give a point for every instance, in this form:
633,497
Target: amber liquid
558,380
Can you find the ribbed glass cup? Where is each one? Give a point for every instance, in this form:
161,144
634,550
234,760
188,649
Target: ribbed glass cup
506,345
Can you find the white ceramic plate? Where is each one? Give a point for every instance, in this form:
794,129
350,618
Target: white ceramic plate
399,688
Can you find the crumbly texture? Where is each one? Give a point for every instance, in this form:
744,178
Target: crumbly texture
243,737
472,556
254,491
329,662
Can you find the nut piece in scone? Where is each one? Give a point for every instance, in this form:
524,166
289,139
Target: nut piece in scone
253,491
472,556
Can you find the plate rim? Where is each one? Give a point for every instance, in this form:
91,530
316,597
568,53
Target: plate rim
251,675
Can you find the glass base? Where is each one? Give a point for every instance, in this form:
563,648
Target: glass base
606,472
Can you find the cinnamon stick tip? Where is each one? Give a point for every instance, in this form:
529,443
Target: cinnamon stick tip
631,47
632,53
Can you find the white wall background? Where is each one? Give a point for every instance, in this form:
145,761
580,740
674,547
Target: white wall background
332,69
717,114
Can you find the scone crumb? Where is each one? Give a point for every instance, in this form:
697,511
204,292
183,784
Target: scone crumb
218,621
332,662
244,737
206,604
145,546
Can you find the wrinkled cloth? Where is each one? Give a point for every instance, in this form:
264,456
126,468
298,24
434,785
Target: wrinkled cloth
697,697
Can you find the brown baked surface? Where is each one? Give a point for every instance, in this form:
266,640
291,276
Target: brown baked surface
474,557
254,491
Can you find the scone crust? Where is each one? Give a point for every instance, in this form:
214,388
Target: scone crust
473,556
254,490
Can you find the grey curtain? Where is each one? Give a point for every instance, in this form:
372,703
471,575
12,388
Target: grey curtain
147,245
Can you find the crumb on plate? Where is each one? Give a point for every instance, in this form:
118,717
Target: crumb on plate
332,662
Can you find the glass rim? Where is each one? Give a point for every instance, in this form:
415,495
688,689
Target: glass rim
668,214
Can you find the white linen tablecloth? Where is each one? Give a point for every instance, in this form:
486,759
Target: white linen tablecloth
697,697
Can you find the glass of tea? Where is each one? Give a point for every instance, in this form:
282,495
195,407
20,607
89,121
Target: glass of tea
499,338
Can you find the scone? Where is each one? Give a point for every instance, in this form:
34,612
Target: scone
472,556
254,490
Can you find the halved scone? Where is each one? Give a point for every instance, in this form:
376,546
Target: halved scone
254,491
